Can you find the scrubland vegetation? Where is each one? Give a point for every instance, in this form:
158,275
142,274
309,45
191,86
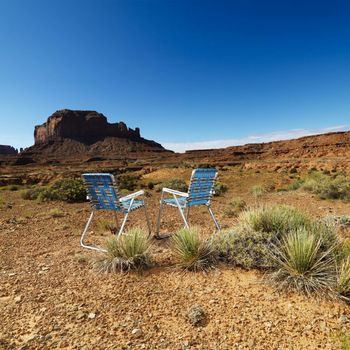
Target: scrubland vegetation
324,185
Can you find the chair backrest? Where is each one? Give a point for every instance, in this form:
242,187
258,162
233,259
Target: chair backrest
201,186
102,191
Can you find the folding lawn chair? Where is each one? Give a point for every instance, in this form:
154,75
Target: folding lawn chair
199,192
103,195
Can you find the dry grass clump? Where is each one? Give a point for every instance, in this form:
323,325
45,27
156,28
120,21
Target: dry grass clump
175,184
258,191
325,186
276,220
299,252
247,248
343,281
193,252
248,244
71,190
234,207
303,264
128,252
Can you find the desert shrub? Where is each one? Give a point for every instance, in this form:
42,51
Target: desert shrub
175,184
13,188
249,243
342,220
247,248
343,281
193,252
220,189
258,191
295,185
235,207
128,252
128,182
328,187
150,185
68,190
302,264
276,219
32,193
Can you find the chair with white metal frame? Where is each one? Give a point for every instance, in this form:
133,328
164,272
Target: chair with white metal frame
103,194
200,191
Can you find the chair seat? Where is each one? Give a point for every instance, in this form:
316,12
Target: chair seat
135,204
172,202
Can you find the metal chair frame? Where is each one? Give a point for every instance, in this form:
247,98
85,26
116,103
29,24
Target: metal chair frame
103,195
200,191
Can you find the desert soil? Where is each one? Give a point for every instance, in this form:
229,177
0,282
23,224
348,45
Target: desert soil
50,297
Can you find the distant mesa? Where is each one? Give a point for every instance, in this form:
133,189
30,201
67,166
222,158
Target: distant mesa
84,126
87,135
8,150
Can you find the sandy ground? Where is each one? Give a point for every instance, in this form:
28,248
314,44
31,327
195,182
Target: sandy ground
51,298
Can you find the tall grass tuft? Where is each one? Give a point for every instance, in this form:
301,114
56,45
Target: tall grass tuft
276,219
194,253
302,264
130,251
343,282
258,191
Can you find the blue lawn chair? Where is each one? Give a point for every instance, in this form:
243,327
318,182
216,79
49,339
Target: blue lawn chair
103,195
199,192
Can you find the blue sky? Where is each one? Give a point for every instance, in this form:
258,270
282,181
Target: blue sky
190,74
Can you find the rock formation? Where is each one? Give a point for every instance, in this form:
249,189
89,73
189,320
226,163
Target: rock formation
8,150
84,126
83,135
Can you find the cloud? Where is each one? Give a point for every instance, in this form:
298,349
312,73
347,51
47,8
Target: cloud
273,136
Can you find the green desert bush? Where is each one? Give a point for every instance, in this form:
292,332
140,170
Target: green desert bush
325,186
277,219
234,207
175,184
220,189
246,248
249,243
128,182
302,264
193,252
128,252
68,190
32,193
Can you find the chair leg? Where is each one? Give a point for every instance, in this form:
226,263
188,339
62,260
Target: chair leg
181,212
218,227
159,215
147,218
187,213
123,224
84,234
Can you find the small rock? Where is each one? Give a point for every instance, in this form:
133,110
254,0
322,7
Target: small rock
12,274
136,332
18,299
91,315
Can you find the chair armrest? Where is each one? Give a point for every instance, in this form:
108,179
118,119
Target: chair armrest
177,193
132,195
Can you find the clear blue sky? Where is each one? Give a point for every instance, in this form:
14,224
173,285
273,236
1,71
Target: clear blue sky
183,71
